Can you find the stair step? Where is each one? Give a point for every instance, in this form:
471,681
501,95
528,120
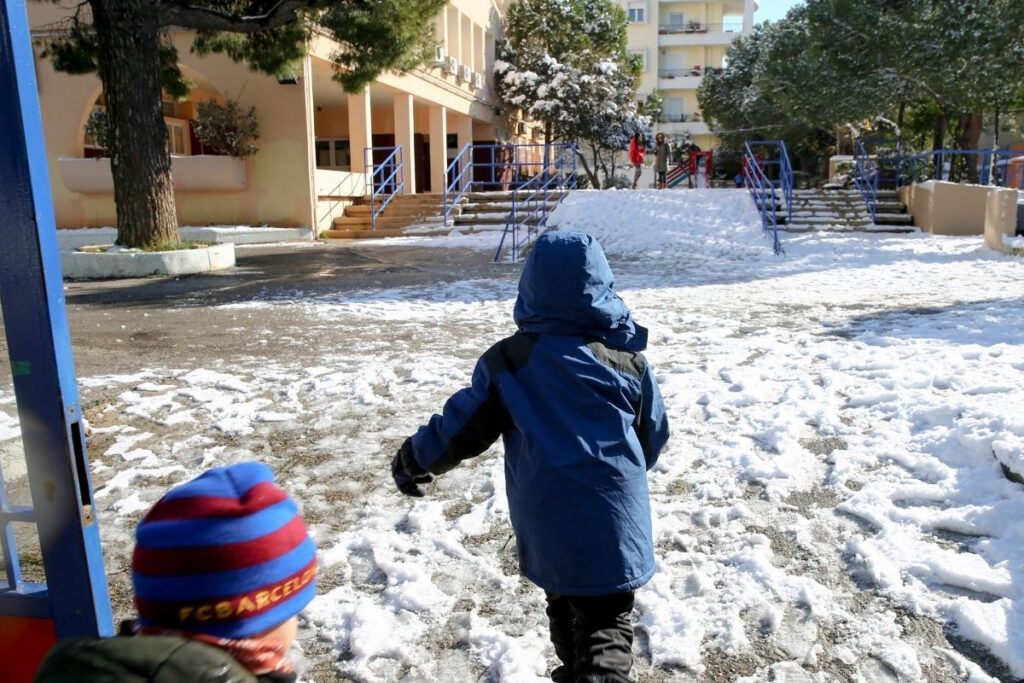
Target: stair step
379,233
893,219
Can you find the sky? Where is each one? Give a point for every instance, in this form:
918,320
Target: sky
771,10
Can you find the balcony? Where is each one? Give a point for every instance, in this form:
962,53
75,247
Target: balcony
680,124
696,33
199,173
682,79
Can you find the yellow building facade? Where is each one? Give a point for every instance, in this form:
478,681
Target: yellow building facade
315,138
679,41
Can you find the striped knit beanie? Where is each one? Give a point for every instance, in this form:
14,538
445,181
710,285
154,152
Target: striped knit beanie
225,554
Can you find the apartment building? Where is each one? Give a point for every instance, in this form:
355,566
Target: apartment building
679,42
315,140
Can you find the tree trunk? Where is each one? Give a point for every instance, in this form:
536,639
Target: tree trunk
128,39
586,169
970,137
940,132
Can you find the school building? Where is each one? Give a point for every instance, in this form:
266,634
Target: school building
679,41
314,136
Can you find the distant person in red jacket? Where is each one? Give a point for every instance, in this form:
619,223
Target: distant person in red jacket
637,149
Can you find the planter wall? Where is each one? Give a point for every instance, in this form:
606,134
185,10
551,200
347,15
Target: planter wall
200,173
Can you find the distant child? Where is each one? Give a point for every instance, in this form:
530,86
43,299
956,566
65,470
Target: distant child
661,155
222,566
582,420
637,150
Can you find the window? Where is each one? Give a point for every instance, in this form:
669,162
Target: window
641,54
676,20
673,109
637,12
176,137
170,108
334,154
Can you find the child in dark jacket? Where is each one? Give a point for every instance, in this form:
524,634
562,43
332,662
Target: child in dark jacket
582,421
222,566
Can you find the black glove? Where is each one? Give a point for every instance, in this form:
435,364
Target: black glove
407,472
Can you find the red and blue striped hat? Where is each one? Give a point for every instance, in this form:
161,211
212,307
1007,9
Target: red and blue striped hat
225,554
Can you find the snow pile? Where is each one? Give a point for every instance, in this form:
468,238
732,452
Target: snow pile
831,499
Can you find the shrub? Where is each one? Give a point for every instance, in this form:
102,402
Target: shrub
227,128
97,128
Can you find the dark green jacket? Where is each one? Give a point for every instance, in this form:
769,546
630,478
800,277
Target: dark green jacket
140,659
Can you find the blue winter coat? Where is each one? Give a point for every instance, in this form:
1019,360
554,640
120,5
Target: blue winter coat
582,421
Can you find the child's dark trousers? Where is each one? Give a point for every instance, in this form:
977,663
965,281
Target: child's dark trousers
593,637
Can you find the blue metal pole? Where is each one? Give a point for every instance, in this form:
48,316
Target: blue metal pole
39,344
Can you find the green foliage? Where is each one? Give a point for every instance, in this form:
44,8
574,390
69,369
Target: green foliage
227,128
831,64
97,127
379,35
374,35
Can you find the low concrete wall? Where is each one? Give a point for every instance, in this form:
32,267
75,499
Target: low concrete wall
944,208
1000,217
85,237
79,265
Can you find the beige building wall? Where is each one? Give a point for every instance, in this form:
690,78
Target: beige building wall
679,41
283,183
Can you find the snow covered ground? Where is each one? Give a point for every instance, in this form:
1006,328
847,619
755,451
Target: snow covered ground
831,505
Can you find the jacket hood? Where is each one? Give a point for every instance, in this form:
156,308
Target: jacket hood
567,289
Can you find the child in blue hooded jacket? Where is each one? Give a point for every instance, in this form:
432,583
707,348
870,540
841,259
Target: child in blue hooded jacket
582,421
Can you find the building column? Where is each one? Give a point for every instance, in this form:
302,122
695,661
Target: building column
360,131
404,138
748,16
438,148
307,88
464,131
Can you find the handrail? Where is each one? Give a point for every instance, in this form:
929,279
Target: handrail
498,171
764,190
384,186
559,176
456,189
865,177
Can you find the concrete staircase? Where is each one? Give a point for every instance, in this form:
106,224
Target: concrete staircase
844,210
421,214
490,210
406,212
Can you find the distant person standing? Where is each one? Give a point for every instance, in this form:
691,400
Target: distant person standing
506,159
637,150
662,152
692,153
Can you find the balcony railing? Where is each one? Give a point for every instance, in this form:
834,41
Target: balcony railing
680,118
697,27
694,71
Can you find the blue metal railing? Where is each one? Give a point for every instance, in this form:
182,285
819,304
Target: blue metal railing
999,167
865,177
758,170
386,180
532,200
495,167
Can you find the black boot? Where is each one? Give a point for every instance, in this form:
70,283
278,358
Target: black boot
563,636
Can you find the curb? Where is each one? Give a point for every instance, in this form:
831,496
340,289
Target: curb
86,266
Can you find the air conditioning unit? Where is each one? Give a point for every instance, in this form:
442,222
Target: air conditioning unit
478,81
467,73
451,65
521,128
439,55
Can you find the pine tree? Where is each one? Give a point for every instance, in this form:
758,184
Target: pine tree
126,42
564,63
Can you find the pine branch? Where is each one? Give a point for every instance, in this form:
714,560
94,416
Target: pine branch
192,16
